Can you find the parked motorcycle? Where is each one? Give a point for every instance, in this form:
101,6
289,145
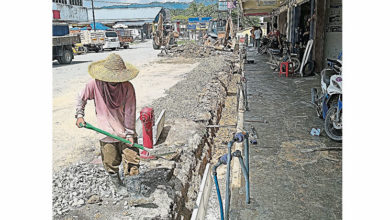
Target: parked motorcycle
329,102
277,56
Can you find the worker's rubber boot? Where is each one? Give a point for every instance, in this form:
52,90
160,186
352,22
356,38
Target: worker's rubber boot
146,156
119,186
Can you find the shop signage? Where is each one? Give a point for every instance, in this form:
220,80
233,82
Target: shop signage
197,19
222,6
56,14
193,20
191,26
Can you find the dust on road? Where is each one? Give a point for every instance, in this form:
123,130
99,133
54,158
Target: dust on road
70,144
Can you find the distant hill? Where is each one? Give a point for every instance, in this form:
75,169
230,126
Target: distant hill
168,5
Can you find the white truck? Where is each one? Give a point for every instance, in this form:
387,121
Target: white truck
99,40
93,41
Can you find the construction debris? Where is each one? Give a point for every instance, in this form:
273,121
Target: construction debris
192,50
74,185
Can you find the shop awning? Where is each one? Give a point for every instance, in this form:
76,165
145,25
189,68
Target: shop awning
258,7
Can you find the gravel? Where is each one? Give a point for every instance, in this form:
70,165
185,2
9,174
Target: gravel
191,50
78,184
189,92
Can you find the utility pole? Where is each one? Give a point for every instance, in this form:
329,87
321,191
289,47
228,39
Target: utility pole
93,15
238,18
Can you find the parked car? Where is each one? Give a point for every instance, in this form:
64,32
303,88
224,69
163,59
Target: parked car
111,40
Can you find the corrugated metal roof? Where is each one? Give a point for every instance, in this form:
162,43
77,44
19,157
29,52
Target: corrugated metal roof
134,23
124,14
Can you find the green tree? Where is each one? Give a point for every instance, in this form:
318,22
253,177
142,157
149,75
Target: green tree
201,10
195,10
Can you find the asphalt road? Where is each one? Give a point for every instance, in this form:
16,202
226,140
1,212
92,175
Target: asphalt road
71,144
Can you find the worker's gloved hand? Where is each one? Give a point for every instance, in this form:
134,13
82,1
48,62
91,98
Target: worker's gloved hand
80,120
131,140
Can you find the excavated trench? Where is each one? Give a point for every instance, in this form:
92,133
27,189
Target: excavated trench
198,143
169,189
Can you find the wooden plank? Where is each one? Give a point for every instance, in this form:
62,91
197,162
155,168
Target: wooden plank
202,200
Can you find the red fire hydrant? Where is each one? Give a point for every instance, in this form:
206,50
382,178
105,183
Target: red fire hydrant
147,119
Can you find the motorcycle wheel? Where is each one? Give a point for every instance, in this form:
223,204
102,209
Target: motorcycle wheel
331,131
308,68
296,64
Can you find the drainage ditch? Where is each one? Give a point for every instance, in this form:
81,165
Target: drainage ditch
164,189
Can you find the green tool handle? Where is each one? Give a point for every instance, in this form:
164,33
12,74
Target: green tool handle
89,126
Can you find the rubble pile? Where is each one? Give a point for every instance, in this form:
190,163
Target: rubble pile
192,50
83,184
75,185
196,91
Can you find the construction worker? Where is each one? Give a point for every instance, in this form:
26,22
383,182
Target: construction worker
115,105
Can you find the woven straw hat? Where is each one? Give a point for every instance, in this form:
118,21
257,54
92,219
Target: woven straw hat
112,69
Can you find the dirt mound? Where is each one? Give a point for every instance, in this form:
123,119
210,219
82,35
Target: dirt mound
192,50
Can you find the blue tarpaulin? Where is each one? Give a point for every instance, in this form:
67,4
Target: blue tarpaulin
99,26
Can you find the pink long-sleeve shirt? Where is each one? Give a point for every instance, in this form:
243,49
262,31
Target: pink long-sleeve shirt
120,121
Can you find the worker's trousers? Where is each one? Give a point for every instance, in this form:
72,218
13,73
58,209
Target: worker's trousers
257,43
115,153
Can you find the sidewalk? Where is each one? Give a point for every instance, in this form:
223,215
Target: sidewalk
285,182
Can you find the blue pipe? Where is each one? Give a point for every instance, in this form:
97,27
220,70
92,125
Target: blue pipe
246,152
219,195
227,197
221,160
246,175
237,153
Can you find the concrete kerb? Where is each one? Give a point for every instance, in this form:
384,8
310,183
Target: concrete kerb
199,211
236,169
